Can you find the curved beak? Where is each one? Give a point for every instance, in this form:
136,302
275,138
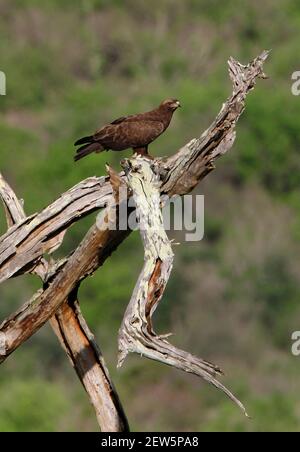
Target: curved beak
178,104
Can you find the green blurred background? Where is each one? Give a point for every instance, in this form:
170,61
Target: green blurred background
233,297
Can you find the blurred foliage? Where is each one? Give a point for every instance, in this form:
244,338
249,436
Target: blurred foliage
233,298
22,408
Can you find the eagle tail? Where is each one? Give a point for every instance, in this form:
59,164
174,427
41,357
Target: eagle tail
84,140
88,149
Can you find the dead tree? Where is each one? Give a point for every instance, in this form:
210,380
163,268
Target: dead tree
28,238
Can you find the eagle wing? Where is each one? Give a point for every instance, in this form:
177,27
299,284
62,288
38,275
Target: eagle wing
129,134
119,120
129,118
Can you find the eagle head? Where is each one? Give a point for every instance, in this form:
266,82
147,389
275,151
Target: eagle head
170,104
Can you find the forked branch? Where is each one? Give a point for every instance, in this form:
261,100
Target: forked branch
28,238
136,333
75,337
24,244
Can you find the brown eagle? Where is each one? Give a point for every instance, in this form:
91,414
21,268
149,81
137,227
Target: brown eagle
134,131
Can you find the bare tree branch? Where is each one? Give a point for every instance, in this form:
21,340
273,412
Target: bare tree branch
136,333
76,338
13,209
86,358
96,246
85,259
15,215
195,160
24,244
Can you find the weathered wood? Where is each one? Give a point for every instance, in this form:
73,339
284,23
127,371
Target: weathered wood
12,205
15,215
27,241
22,245
75,336
96,246
88,362
136,333
195,160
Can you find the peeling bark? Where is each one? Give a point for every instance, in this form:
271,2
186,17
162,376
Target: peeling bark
25,243
136,333
74,336
88,362
28,238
